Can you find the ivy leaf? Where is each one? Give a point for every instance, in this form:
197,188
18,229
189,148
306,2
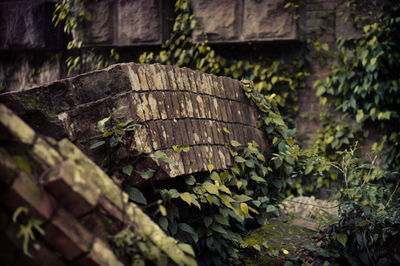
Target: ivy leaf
360,116
239,159
163,210
210,167
186,197
342,238
218,228
148,174
127,170
214,176
222,220
226,130
159,155
234,143
97,144
308,169
244,208
271,208
163,222
101,124
136,195
241,198
185,147
258,179
187,228
249,163
174,193
210,188
225,189
190,180
177,148
187,249
227,200
260,157
325,47
207,221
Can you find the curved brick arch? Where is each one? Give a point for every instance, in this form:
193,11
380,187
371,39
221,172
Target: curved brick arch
173,106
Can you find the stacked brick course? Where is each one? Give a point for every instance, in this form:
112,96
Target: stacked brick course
172,106
71,197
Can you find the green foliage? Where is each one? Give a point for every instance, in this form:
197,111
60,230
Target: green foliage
114,134
75,15
210,212
27,230
370,213
365,83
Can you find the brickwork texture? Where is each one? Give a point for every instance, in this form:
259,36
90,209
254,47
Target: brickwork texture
172,106
74,200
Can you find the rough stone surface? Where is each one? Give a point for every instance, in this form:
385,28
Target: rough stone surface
24,24
219,24
269,20
139,21
168,108
243,21
100,28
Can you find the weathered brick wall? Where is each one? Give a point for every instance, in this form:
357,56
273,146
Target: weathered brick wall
319,27
173,106
224,21
76,203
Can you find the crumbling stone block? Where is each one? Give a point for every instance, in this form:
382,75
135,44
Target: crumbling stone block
219,24
74,192
269,20
100,28
140,22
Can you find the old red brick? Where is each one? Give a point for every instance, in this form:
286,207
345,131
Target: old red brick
196,110
191,79
24,192
160,98
67,235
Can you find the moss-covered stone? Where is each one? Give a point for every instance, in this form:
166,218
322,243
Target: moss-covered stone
46,153
12,127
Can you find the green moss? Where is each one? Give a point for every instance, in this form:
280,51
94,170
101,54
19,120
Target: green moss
21,161
32,102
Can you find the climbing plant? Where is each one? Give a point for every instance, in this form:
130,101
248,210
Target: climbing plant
365,82
74,14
